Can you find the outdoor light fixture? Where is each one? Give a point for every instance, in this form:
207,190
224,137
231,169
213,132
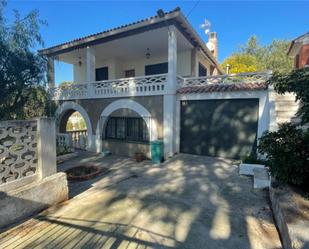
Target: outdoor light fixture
148,53
228,66
80,61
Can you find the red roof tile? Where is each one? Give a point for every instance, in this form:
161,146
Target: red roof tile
223,88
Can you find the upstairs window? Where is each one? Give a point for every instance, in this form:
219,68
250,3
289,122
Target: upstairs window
101,73
160,68
129,73
202,71
127,129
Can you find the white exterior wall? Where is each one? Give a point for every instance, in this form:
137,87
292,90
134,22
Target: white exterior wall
117,67
79,73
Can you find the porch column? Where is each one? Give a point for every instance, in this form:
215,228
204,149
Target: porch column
90,64
169,105
50,72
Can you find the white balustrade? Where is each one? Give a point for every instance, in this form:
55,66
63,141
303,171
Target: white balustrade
78,138
64,140
256,77
147,85
135,86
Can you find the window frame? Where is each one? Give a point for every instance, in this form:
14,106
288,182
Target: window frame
128,72
158,68
202,68
142,136
101,71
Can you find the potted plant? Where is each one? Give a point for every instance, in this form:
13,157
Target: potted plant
139,156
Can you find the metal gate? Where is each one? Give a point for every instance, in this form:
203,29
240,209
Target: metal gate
221,128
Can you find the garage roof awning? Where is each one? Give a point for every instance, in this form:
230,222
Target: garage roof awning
224,88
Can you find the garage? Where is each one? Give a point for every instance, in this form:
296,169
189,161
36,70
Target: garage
219,127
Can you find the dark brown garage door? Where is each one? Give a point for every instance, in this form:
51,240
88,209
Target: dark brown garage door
221,128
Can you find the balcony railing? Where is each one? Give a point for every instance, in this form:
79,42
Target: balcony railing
256,77
136,86
147,85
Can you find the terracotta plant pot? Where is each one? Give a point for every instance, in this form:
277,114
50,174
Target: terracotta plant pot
139,157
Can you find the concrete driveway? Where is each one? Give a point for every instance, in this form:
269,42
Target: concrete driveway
188,202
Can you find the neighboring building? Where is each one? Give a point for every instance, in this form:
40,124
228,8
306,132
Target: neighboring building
157,79
299,50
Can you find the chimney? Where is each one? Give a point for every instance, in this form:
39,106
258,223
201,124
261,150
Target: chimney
213,44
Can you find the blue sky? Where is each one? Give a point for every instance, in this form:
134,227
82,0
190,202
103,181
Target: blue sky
234,21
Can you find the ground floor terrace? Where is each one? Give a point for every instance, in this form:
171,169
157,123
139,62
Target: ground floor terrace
187,202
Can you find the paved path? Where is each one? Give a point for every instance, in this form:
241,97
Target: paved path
188,202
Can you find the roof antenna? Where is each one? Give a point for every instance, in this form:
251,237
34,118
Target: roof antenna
206,26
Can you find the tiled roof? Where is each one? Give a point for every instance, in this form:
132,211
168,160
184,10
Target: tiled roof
93,36
298,39
223,88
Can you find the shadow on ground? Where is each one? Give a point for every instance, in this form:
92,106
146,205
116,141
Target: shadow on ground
187,202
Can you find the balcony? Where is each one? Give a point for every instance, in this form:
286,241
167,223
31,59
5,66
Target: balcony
135,86
155,85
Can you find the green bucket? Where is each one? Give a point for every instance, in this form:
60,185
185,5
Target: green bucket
156,151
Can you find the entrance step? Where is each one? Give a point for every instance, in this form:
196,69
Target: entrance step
261,178
248,168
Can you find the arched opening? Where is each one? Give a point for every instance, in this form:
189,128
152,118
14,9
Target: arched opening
125,127
73,127
73,124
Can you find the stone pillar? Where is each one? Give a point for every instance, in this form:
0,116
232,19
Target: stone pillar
90,64
169,105
46,144
50,72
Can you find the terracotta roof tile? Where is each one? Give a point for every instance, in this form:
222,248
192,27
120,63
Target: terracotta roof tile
223,88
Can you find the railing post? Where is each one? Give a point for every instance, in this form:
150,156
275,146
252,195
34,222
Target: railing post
90,90
46,143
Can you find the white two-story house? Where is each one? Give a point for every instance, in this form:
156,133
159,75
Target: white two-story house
155,79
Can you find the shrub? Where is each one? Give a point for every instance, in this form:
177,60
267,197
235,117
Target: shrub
252,159
287,154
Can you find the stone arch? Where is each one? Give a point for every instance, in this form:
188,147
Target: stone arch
127,104
65,110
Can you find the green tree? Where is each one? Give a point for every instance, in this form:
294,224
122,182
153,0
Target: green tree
66,84
274,57
69,126
269,57
240,63
22,71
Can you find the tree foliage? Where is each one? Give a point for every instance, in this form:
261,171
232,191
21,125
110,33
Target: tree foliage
269,57
22,71
240,63
66,84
